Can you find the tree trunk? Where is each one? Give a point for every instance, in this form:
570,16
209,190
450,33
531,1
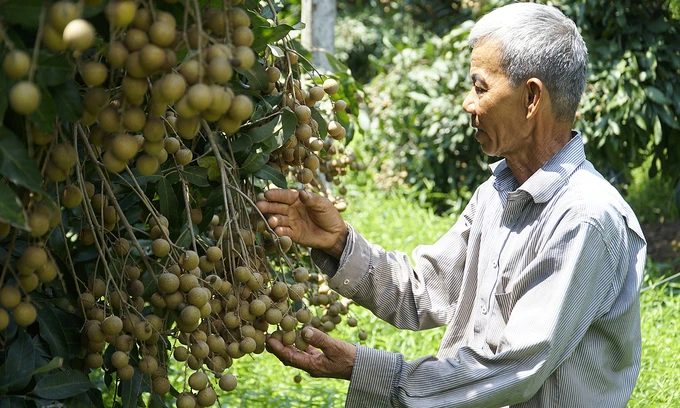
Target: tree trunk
318,36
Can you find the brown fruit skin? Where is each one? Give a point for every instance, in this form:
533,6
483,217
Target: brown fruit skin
228,382
94,73
71,196
146,165
62,13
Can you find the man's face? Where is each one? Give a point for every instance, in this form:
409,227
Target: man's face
498,110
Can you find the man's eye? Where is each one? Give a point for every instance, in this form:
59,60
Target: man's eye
479,90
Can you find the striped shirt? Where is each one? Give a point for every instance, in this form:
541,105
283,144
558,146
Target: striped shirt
538,285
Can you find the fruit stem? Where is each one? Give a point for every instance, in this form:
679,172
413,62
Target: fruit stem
36,46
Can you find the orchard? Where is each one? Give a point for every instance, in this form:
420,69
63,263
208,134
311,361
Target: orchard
136,138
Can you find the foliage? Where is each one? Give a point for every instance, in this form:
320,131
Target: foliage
128,188
419,79
650,198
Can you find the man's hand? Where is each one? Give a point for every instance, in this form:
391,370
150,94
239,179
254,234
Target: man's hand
335,360
308,219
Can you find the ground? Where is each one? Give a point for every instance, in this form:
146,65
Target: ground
663,241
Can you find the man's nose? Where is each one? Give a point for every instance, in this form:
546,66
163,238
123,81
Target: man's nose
469,103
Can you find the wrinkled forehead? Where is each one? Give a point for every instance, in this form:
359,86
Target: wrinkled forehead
486,57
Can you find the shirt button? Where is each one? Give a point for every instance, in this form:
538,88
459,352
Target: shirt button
346,282
477,328
494,264
483,309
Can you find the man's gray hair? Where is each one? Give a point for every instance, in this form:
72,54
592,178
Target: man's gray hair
538,41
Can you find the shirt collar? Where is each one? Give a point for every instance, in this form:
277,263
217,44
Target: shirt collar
543,184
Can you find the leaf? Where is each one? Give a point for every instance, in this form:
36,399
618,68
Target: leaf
210,163
256,76
53,69
168,201
254,162
15,374
196,175
276,51
43,117
25,13
95,397
273,175
61,331
62,385
255,135
11,210
658,131
640,121
269,35
68,100
11,401
56,362
657,96
321,122
15,163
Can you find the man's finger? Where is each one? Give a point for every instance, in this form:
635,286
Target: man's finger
270,207
281,195
289,355
316,338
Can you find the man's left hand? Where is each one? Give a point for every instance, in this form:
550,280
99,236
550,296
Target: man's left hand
325,356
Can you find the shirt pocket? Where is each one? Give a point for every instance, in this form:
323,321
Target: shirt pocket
505,302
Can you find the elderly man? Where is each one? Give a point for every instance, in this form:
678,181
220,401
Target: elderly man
538,279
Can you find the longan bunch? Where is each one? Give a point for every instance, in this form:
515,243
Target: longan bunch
33,266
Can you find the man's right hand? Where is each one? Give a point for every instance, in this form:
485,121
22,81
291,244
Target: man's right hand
308,219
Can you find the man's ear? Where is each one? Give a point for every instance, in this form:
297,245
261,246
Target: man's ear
535,93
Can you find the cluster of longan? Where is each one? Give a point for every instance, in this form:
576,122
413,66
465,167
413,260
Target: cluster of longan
34,266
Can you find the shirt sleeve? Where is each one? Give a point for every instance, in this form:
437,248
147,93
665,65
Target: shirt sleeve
387,283
571,283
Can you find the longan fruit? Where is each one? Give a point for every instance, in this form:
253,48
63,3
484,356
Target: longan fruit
172,87
120,13
171,145
124,146
242,36
24,314
273,74
206,397
79,34
61,13
24,97
133,119
147,165
39,224
152,57
10,296
160,247
238,18
94,73
112,325
160,385
228,382
220,69
183,156
16,64
47,272
53,39
198,381
241,108
330,86
125,373
117,54
94,360
245,56
161,33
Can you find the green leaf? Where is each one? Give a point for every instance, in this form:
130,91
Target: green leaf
323,128
269,35
15,163
25,13
56,362
68,100
640,121
256,76
256,20
255,135
657,96
15,374
168,200
196,175
11,210
658,131
43,117
53,69
61,331
11,401
254,162
276,51
273,175
210,163
62,385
